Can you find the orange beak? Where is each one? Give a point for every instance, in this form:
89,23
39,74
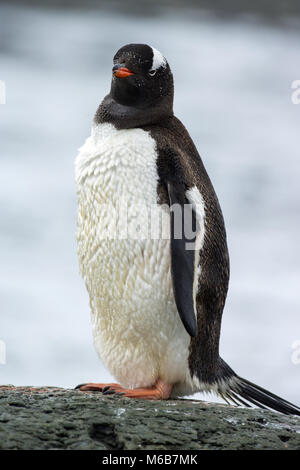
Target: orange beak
122,72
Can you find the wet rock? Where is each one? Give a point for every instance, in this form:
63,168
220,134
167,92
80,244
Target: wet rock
54,418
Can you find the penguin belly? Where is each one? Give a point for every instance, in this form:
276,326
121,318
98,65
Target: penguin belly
124,258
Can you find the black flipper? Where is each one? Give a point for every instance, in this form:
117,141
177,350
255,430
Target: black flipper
183,256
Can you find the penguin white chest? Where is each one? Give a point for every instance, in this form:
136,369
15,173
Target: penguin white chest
124,257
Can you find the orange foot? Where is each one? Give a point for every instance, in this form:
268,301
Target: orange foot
160,391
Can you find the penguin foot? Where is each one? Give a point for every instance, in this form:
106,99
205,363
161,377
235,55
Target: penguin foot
160,391
153,393
92,387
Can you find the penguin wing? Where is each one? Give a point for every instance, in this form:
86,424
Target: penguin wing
184,255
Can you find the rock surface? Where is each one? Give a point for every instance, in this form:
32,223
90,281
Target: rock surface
54,418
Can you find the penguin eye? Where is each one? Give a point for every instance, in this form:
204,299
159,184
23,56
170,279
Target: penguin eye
152,73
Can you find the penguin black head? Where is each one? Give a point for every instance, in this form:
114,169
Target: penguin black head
141,89
141,77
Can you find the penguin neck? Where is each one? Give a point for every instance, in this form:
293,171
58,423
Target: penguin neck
126,117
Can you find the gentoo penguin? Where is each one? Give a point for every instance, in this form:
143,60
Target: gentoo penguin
152,245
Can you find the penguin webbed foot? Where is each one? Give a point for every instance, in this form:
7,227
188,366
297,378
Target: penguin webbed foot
96,387
160,391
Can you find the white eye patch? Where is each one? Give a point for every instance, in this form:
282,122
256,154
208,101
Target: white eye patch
157,61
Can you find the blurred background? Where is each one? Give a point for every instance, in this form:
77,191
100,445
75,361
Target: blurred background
233,69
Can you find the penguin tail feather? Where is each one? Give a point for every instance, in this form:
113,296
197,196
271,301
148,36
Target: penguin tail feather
239,391
242,391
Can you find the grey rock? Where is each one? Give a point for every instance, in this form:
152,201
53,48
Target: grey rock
55,418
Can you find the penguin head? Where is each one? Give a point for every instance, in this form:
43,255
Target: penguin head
141,78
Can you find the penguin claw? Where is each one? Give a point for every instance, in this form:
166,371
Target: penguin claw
79,386
96,387
109,392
